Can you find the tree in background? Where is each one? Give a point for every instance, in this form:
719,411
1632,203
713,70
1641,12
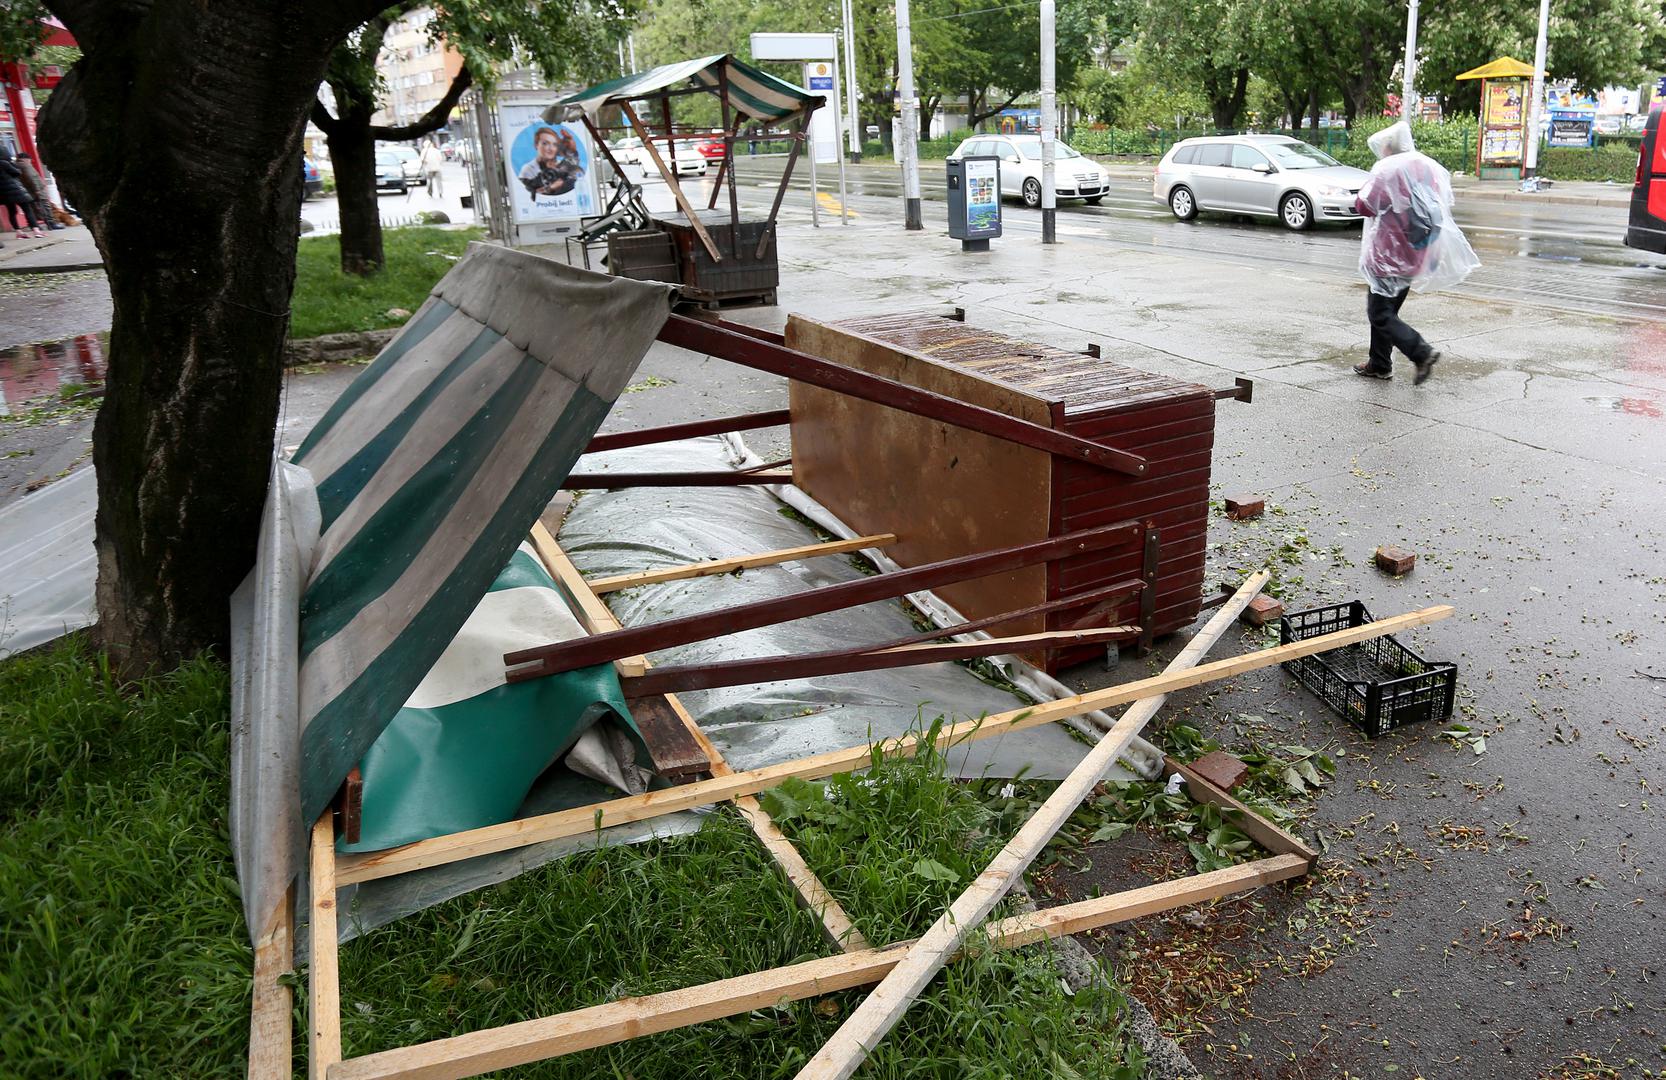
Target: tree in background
1212,44
576,40
177,136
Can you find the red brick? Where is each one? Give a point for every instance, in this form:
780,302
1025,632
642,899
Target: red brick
1244,507
1262,610
1395,560
1221,769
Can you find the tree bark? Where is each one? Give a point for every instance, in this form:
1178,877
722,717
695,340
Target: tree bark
1226,102
177,136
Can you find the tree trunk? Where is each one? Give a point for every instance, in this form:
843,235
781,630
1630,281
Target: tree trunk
177,136
1313,106
353,153
1227,103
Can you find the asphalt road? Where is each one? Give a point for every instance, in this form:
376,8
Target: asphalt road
1554,256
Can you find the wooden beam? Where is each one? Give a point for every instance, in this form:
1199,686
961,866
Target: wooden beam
567,655
271,1034
682,678
786,175
323,967
714,338
533,830
672,432
671,182
505,1047
737,562
871,1021
677,755
1253,825
809,889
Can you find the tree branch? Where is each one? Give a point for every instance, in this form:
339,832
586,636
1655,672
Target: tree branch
322,119
434,118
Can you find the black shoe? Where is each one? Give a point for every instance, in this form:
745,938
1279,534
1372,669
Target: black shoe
1372,373
1425,368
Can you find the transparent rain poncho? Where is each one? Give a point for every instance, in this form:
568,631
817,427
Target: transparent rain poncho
1411,239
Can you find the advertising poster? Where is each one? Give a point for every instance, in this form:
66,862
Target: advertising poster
983,196
550,166
1501,146
1503,104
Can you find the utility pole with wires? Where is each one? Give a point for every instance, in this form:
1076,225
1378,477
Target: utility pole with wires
910,121
1049,125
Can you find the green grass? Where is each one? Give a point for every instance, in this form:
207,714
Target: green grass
125,952
326,301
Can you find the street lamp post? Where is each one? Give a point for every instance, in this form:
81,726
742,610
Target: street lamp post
1049,122
1409,81
1530,163
850,84
910,121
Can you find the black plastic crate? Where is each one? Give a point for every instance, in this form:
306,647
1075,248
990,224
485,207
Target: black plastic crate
1377,685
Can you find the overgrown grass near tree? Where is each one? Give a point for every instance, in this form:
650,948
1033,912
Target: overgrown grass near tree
124,951
326,301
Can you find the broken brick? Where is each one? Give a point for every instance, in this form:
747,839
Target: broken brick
1244,507
1221,769
1262,610
1395,560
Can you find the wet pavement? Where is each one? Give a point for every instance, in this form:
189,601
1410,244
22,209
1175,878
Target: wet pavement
1486,915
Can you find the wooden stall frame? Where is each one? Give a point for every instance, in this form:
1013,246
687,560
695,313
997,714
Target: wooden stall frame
858,964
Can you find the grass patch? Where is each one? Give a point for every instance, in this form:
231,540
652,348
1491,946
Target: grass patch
326,301
126,954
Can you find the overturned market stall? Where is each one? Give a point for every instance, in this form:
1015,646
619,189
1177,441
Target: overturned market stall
713,256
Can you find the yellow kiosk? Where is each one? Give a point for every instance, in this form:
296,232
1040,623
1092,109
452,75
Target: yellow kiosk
1501,146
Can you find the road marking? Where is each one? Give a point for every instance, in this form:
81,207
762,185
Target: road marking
831,204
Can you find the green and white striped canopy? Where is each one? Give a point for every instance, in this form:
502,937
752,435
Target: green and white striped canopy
755,93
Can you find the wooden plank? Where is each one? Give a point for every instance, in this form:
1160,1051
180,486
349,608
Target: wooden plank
592,613
671,182
1253,825
546,1037
738,562
716,478
682,678
862,1030
271,1013
582,652
323,967
675,752
533,830
619,440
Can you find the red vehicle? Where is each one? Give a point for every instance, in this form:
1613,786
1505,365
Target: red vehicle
710,149
1648,195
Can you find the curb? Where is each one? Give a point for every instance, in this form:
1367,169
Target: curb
61,268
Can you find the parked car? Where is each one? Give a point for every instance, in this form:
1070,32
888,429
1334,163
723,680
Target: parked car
390,173
1263,175
1647,227
312,181
1637,122
630,151
712,150
1074,176
410,162
1610,124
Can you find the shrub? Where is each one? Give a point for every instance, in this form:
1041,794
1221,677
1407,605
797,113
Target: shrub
1613,161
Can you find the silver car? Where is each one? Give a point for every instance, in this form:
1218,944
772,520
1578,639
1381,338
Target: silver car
1271,175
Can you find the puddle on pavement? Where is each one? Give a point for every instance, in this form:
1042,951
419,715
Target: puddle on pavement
49,370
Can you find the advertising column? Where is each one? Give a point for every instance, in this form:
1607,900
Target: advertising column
549,172
1503,128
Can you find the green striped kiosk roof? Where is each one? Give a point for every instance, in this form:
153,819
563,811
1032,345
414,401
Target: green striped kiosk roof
758,94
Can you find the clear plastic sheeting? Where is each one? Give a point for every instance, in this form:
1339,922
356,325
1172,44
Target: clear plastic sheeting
1411,239
47,563
646,528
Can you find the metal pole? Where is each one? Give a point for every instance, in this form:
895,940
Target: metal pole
838,139
815,192
622,70
633,52
1407,109
850,84
1530,165
910,121
1049,122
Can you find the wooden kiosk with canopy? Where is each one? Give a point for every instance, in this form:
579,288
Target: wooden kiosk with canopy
715,256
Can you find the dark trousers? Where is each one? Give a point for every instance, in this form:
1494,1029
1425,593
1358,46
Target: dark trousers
24,211
1389,331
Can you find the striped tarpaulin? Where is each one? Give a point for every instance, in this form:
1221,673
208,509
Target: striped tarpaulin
753,92
428,472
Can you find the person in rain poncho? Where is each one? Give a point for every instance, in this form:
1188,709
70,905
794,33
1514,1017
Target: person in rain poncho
1410,242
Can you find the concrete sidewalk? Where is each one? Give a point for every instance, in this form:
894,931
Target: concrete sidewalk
57,252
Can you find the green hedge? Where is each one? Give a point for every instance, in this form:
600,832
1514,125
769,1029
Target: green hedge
1450,142
1615,162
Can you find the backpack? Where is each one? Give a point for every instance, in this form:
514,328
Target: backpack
1422,219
